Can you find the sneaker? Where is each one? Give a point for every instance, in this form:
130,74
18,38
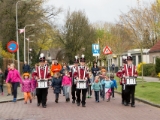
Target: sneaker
8,94
44,106
83,105
14,100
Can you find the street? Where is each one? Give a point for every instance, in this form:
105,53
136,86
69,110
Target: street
112,110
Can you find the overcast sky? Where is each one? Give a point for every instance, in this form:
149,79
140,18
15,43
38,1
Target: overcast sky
97,10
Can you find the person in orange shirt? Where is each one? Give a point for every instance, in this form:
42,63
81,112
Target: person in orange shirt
55,67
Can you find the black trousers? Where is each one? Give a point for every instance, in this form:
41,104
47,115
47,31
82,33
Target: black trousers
78,93
73,92
1,87
89,90
123,93
112,89
42,95
96,95
57,95
130,91
14,88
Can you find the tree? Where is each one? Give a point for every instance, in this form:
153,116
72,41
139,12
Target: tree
77,35
28,13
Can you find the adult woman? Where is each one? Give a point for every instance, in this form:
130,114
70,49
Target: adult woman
95,69
15,78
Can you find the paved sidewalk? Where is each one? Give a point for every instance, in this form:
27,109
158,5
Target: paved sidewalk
150,79
103,110
6,98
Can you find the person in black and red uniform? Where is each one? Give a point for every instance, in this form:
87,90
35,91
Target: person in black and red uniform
41,73
81,74
129,71
73,70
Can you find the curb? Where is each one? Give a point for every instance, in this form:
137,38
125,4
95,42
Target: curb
5,101
144,101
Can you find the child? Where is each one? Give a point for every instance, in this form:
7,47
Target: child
89,84
96,86
27,88
1,80
34,85
102,77
107,84
56,84
66,83
114,85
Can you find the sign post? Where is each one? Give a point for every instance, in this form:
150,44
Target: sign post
95,50
107,51
12,47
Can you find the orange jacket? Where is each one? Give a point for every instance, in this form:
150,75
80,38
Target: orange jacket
56,68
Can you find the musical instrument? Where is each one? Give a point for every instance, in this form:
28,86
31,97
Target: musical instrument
81,84
131,81
42,83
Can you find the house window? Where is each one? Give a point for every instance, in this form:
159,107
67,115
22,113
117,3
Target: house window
134,60
139,59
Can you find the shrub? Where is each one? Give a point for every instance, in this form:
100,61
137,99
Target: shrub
149,70
157,67
139,68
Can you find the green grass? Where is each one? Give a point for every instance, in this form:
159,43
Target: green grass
148,91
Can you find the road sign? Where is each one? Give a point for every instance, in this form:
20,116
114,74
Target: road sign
12,46
107,50
95,49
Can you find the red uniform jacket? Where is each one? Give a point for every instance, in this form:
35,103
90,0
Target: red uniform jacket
81,73
129,71
42,72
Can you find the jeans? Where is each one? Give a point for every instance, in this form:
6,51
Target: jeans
14,87
89,90
66,89
1,87
96,95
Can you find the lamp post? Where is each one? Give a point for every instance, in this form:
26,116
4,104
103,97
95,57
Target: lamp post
18,61
28,44
24,40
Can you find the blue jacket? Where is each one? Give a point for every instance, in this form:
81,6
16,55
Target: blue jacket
107,83
56,84
96,86
114,85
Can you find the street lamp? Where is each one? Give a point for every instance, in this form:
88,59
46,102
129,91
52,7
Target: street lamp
28,44
18,61
24,40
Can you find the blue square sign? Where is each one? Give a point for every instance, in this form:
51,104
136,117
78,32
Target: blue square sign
95,49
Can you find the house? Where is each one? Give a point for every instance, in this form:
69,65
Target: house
154,52
136,54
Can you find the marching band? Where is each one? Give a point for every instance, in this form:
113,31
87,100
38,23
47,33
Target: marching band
79,75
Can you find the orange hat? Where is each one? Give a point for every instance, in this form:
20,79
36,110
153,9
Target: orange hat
25,74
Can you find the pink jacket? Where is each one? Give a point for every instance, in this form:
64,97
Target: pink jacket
13,76
34,83
27,85
66,81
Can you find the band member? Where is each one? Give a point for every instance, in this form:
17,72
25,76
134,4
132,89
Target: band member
74,69
122,79
129,71
41,73
81,74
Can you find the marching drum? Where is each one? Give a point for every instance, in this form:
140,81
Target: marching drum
42,83
81,84
131,81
